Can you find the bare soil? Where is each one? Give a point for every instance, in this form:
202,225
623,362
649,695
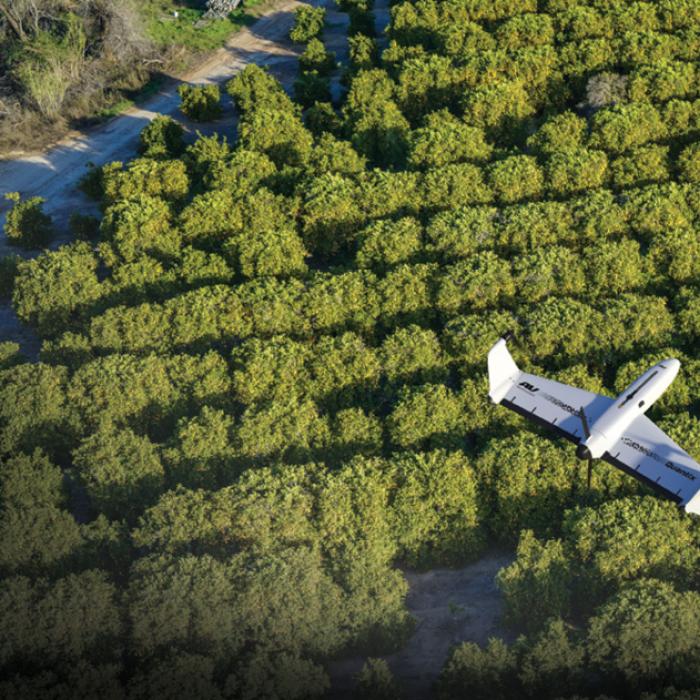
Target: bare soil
450,606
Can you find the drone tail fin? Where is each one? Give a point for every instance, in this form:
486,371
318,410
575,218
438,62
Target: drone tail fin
503,372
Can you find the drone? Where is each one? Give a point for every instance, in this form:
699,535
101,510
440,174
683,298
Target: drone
615,430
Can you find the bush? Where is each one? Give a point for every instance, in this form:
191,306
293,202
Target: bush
308,23
537,585
254,88
434,510
516,178
562,132
386,243
577,170
483,674
479,282
121,471
445,139
646,634
527,481
201,103
163,137
619,128
376,682
311,87
316,57
53,291
26,224
364,53
626,539
689,163
641,166
461,232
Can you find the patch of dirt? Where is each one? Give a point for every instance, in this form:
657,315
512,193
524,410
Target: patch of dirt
450,606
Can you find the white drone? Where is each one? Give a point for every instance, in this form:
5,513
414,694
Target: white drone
615,430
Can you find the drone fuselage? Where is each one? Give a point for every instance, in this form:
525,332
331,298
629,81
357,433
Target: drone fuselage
634,401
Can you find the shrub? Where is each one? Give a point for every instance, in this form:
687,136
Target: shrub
613,267
561,132
461,232
364,52
455,185
516,178
537,585
145,176
163,137
577,170
641,166
26,224
381,135
311,87
553,660
478,282
274,251
331,155
646,634
528,482
626,539
525,227
201,103
662,81
622,127
434,509
254,88
524,31
121,471
279,134
445,139
316,57
553,270
483,674
385,243
689,163
308,23
55,289
376,682
426,415
499,107
321,118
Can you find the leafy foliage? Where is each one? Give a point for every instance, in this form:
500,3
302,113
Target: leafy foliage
262,389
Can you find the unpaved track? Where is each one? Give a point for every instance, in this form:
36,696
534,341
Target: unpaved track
55,174
450,606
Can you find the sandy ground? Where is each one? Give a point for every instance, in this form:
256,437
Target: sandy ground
450,606
55,174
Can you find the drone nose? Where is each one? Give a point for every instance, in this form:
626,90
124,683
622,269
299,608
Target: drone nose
582,452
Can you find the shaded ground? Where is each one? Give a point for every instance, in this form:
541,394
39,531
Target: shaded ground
450,606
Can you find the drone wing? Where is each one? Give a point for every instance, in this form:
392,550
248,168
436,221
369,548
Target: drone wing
541,400
647,453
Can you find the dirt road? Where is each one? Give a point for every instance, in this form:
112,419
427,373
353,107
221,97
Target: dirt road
55,174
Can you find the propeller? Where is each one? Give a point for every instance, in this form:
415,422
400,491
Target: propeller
582,451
